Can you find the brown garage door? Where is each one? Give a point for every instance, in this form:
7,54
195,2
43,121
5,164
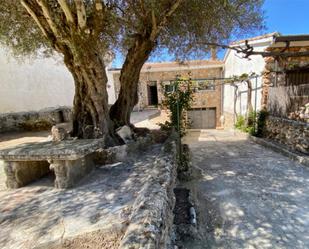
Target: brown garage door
202,118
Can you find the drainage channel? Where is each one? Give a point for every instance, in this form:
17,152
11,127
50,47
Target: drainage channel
185,219
195,220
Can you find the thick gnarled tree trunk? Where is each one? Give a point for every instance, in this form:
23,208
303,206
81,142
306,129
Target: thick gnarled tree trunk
73,32
90,107
140,50
137,55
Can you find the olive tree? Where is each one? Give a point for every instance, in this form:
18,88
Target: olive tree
82,31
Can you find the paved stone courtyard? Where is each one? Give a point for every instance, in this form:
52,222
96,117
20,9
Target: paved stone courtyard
248,196
95,213
38,213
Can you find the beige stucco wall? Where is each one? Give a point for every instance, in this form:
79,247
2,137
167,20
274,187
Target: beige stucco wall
33,84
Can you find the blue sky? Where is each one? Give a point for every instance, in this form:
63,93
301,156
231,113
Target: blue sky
285,16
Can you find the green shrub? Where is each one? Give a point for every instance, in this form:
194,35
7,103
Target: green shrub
240,123
255,125
250,130
251,119
261,123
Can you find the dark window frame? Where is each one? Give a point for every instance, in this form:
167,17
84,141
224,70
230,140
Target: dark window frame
199,87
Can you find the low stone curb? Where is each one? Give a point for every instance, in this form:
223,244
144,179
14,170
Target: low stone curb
304,160
152,212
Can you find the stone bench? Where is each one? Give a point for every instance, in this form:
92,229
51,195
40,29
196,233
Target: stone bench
70,160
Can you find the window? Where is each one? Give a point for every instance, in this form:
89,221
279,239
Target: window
169,88
204,85
198,85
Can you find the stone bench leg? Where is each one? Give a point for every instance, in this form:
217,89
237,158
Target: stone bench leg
69,172
20,173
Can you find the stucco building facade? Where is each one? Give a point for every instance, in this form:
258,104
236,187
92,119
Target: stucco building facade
207,106
281,83
235,65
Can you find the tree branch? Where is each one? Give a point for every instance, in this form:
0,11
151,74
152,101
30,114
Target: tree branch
154,21
34,17
48,16
248,50
162,23
142,3
81,14
67,11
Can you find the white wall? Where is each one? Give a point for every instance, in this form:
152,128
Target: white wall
34,84
110,86
236,66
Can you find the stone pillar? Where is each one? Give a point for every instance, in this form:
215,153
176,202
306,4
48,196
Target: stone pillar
69,172
265,89
20,173
266,79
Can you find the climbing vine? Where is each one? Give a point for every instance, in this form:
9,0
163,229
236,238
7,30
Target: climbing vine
178,98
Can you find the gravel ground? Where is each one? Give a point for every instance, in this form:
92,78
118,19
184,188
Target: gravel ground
248,196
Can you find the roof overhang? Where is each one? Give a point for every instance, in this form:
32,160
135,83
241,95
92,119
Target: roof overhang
169,69
291,40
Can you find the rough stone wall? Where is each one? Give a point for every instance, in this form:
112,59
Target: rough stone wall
291,133
19,174
202,99
152,216
34,121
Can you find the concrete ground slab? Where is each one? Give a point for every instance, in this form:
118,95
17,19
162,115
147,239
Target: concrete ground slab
248,196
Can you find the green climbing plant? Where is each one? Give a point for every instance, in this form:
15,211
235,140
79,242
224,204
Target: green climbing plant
178,99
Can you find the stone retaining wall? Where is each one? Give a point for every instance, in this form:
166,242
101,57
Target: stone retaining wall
291,133
34,121
152,216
